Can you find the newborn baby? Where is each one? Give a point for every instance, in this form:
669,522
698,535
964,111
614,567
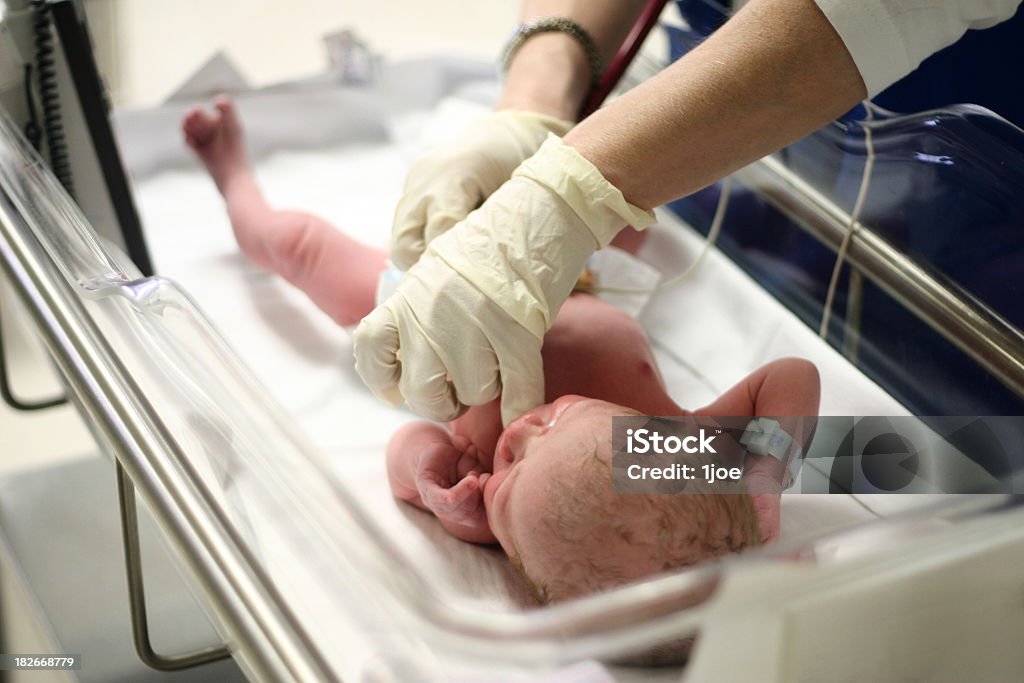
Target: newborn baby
542,486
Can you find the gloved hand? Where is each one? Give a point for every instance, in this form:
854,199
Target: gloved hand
445,185
467,322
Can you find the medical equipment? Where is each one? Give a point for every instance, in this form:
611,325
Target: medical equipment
624,57
377,594
765,436
52,86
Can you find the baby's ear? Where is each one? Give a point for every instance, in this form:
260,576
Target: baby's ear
767,508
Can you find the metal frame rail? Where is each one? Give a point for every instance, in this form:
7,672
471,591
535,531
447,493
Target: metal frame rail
965,321
271,645
137,592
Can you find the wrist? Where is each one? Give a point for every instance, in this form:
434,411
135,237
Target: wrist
548,74
598,205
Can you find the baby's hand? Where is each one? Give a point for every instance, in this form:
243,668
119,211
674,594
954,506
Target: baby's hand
461,504
436,470
450,481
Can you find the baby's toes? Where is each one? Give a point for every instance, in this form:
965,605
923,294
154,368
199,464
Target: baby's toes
199,127
225,108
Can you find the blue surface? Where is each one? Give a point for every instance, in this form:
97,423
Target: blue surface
981,68
948,189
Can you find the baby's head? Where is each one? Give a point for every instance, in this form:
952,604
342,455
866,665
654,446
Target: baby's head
551,506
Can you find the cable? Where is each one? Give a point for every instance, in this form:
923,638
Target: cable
865,182
709,242
32,131
49,96
610,78
716,226
46,73
9,397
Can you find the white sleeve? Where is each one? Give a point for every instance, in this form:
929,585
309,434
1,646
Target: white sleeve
889,38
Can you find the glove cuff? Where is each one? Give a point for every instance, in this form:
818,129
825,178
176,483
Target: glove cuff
599,204
535,120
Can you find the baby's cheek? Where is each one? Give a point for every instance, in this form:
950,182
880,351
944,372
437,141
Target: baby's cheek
495,516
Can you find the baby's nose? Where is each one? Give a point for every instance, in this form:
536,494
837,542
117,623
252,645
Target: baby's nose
534,419
522,431
535,425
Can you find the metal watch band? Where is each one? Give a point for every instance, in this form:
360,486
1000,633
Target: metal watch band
531,28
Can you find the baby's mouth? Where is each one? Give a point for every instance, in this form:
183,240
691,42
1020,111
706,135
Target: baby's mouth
489,484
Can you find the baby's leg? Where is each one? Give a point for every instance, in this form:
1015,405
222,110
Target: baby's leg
338,273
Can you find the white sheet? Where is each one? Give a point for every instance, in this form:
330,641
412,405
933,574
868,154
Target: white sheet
707,332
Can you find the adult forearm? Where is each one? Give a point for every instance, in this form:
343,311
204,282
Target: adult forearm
550,72
775,72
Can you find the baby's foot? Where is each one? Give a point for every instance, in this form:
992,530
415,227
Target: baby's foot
218,140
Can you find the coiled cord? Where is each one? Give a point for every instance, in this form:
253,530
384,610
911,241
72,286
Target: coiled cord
49,96
59,160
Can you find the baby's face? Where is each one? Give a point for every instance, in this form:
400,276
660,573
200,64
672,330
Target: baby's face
550,504
555,443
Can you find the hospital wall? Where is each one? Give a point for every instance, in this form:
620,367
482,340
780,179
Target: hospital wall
147,47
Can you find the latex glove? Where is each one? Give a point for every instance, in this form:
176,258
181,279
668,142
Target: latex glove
445,185
467,322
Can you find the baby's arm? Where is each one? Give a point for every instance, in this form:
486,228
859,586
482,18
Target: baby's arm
441,473
787,390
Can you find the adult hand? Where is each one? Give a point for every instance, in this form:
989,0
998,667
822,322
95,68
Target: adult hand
467,322
445,185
